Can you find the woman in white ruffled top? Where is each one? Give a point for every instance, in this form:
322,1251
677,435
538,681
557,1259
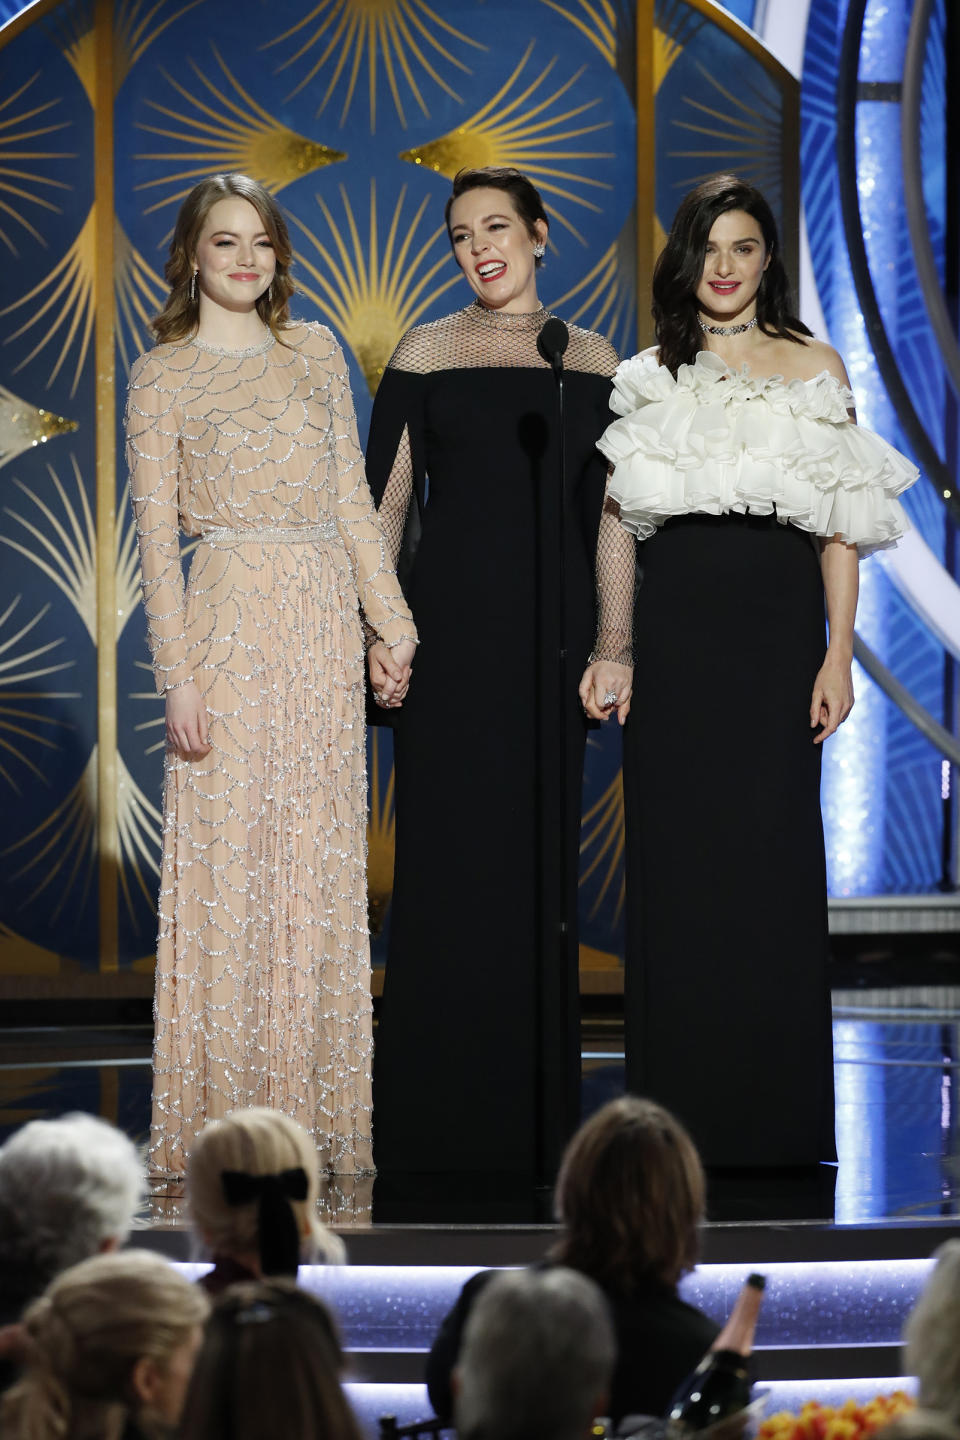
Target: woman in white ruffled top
736,464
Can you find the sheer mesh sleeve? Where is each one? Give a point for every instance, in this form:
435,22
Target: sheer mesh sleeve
616,579
384,607
153,459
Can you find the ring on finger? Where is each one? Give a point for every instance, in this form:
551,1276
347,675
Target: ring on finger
609,698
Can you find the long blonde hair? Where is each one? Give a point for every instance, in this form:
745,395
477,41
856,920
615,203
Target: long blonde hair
86,1334
256,1142
179,317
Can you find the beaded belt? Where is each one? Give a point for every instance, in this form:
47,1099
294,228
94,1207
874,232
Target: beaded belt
271,534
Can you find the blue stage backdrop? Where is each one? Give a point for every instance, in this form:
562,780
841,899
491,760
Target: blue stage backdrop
356,114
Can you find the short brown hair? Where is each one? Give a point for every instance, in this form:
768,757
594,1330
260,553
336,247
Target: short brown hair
523,193
630,1197
178,318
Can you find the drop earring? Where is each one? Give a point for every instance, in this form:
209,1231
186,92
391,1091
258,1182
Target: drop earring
193,286
539,250
270,292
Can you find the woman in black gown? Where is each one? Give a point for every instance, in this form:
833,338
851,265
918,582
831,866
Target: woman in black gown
477,1054
736,465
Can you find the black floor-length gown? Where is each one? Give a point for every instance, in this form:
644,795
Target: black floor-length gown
731,479
477,1053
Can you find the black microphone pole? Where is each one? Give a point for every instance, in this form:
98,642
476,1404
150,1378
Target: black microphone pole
552,342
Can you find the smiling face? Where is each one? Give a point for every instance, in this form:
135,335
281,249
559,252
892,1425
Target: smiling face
494,249
736,257
235,257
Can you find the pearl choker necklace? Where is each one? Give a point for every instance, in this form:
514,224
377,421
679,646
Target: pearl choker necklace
726,329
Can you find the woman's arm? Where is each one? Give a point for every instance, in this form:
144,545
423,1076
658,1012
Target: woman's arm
153,460
832,698
610,671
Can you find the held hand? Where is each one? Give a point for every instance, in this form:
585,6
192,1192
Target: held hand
606,687
390,671
187,722
832,696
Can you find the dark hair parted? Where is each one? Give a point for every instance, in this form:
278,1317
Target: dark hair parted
630,1198
523,193
679,268
271,1364
179,316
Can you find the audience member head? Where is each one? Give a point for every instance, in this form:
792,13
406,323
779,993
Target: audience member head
270,1364
537,1355
933,1336
630,1197
68,1189
252,1188
112,1345
920,1424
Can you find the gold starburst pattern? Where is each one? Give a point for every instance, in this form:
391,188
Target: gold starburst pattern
157,720
62,543
404,36
606,297
603,836
139,823
135,27
62,847
65,303
380,837
526,125
221,127
26,120
371,293
675,26
140,293
740,132
22,723
22,426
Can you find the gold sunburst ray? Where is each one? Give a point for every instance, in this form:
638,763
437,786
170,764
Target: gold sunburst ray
227,133
22,182
603,834
380,836
383,31
606,297
139,825
595,22
158,720
67,295
63,845
64,544
135,27
21,720
508,130
24,426
371,302
675,25
749,143
140,292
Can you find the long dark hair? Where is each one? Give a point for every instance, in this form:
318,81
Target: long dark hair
678,270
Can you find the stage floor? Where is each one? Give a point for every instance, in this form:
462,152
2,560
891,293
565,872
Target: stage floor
897,1067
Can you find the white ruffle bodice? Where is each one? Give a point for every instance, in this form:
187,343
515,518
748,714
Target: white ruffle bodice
715,440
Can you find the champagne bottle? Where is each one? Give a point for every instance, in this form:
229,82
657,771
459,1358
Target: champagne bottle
720,1385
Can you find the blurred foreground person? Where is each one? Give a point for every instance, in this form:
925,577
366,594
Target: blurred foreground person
537,1356
271,1365
112,1346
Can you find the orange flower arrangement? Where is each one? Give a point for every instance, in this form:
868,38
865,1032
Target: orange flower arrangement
851,1421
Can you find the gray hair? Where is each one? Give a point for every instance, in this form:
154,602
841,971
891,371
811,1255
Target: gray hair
538,1352
67,1186
933,1335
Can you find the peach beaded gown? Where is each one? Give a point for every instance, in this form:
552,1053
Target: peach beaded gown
263,974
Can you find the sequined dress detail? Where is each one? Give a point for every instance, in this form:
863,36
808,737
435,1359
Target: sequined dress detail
263,979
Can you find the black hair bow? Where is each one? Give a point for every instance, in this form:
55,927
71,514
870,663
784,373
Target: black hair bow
277,1231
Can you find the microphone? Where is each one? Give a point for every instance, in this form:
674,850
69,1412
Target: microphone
552,341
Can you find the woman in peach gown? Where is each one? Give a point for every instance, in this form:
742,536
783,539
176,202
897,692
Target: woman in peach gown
241,432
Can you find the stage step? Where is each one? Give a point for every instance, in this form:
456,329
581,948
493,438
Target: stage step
837,1298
